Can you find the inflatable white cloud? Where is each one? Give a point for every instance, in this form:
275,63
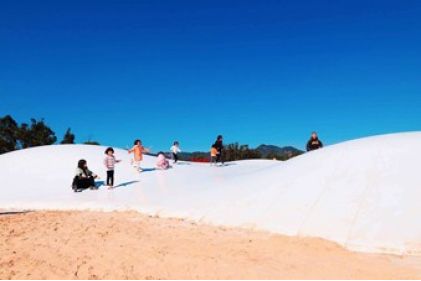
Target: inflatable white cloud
363,194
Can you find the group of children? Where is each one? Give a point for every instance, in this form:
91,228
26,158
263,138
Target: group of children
84,178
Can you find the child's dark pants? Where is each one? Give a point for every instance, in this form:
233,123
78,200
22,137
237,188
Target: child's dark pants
110,178
219,157
175,157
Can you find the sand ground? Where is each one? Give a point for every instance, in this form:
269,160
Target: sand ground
129,245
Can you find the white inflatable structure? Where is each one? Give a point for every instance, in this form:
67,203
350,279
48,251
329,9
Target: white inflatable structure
363,194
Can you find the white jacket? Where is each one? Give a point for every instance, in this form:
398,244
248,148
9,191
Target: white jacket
175,149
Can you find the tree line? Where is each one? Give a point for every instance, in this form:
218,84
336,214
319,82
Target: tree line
14,136
236,151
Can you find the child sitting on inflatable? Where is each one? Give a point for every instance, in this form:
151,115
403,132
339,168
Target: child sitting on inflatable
162,163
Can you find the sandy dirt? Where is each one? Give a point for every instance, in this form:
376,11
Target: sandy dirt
129,245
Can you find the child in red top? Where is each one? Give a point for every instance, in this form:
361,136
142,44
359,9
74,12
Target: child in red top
138,149
214,155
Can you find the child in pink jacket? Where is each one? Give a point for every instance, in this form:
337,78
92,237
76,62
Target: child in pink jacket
162,163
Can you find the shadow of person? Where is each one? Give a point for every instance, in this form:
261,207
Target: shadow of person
124,184
148,169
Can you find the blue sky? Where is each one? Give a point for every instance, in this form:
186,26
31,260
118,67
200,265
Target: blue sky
255,71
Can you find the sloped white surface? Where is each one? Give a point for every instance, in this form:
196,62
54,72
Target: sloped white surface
364,194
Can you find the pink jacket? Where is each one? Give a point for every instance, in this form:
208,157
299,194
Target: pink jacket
162,162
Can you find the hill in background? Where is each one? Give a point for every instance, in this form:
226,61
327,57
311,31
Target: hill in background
235,151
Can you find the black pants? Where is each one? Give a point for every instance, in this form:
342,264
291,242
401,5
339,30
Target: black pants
83,183
175,157
110,178
219,157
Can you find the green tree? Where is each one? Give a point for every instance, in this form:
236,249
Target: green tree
235,151
69,137
35,134
8,134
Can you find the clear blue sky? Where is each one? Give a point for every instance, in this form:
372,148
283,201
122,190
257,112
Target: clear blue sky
255,71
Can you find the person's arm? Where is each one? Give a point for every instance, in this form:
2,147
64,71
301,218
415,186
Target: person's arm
321,144
131,150
308,146
78,173
92,174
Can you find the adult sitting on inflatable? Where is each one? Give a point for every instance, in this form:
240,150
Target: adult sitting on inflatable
84,178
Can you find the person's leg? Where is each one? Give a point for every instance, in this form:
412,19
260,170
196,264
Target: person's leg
75,184
84,183
175,158
91,182
136,165
79,184
109,178
112,178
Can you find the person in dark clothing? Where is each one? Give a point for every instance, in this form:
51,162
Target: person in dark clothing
219,145
84,178
314,142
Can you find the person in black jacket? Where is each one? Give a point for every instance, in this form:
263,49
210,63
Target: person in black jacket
84,178
314,142
219,147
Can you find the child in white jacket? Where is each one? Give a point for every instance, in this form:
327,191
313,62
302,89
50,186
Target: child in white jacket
175,149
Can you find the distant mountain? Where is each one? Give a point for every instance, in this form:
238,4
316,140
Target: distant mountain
268,150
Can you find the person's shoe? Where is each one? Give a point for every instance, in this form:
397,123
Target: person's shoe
110,187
